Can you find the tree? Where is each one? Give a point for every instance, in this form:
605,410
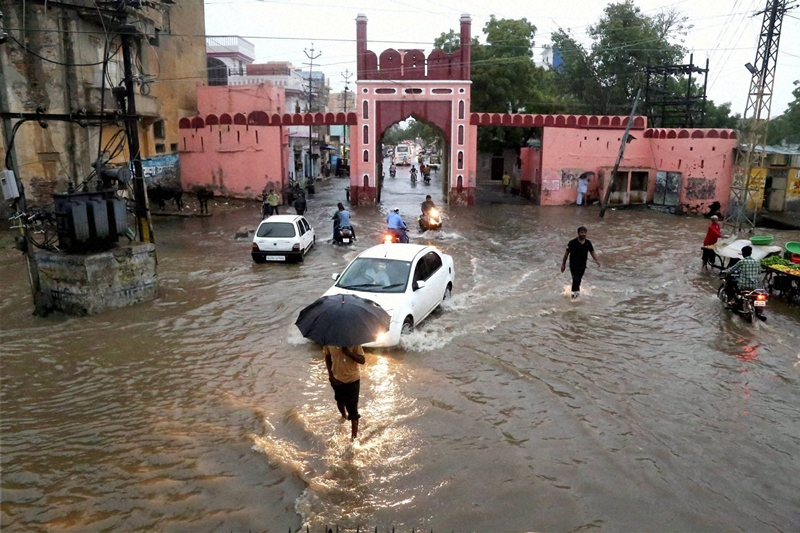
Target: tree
416,130
505,78
719,116
785,129
606,77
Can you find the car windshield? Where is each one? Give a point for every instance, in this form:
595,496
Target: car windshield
371,274
276,230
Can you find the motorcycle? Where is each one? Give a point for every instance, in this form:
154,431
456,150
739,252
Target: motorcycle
749,304
392,173
430,221
395,235
345,236
426,177
413,177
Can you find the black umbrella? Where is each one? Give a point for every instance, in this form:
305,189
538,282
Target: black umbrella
343,320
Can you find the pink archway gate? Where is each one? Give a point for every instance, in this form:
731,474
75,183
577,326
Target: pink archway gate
399,84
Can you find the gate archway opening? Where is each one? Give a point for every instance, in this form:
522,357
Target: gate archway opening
425,142
434,89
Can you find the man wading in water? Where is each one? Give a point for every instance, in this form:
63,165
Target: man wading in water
345,377
578,251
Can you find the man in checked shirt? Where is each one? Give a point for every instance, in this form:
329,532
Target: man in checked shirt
750,270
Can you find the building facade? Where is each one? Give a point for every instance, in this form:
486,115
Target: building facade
54,63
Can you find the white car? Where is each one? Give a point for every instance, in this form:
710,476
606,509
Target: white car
282,238
407,280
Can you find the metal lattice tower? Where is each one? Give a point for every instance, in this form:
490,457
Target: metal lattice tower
756,119
665,109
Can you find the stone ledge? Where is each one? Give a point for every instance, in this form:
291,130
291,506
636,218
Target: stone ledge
87,284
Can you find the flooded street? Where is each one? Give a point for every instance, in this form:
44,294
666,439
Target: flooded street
642,406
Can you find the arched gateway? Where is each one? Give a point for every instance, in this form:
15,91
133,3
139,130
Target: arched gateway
398,84
222,150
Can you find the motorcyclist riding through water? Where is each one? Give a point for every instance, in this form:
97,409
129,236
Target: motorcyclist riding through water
341,220
396,227
739,288
392,170
413,174
430,218
750,270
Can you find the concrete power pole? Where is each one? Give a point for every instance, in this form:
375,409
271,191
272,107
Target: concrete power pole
754,132
310,55
143,224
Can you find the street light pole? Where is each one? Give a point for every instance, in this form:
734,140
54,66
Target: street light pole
310,55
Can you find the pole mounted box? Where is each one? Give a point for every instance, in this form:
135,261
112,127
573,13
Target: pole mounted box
9,183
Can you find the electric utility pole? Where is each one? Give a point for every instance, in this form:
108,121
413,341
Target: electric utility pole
142,211
346,75
754,132
310,55
619,156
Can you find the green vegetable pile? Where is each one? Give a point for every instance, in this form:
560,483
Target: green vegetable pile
780,264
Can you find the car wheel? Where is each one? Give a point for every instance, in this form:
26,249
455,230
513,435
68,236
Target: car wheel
313,241
448,292
302,257
408,326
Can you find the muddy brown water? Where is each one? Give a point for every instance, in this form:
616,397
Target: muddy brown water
643,406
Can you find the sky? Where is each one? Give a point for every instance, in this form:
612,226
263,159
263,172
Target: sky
725,31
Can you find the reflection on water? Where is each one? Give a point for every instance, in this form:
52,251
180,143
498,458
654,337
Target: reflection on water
513,408
340,474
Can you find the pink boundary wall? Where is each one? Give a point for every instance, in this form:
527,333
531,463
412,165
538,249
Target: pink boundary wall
703,156
219,149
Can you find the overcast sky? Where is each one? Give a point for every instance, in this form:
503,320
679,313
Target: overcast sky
724,31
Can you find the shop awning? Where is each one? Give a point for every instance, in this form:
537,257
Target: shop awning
329,147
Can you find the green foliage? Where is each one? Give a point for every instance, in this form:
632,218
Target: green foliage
785,129
606,77
505,78
719,116
417,131
602,79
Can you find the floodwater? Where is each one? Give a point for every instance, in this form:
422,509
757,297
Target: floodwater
642,406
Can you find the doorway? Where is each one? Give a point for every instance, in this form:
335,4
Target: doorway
629,187
668,188
775,190
498,167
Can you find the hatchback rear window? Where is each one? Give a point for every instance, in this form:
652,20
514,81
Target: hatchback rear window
276,230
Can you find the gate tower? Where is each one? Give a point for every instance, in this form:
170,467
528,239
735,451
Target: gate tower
402,83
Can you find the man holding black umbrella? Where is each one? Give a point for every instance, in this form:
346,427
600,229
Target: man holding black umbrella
349,321
345,377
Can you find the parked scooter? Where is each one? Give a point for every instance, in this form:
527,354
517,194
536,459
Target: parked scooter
748,304
430,221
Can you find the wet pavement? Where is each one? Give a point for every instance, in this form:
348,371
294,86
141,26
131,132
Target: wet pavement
642,406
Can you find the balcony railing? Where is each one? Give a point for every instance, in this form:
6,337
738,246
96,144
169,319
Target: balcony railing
231,45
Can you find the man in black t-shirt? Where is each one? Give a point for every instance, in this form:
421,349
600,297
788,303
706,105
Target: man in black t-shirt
578,251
